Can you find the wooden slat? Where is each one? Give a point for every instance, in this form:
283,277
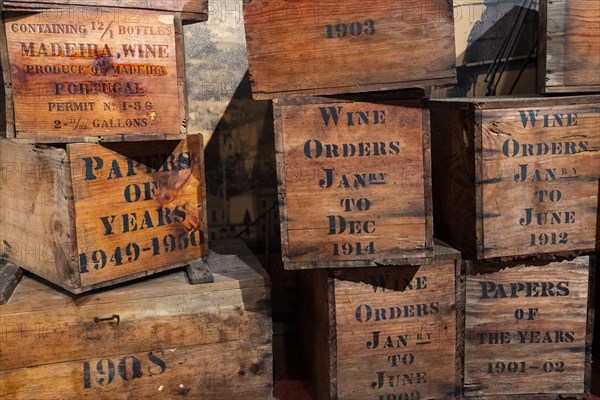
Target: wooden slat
166,373
194,10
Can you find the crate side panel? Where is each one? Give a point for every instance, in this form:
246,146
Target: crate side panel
36,204
572,41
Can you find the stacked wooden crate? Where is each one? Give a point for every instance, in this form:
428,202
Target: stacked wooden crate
352,137
515,188
101,184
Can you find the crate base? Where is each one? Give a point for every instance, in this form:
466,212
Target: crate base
197,272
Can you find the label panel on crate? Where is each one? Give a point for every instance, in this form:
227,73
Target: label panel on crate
137,204
354,181
92,71
541,167
396,333
526,329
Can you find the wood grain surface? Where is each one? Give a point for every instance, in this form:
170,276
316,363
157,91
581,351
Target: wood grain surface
193,10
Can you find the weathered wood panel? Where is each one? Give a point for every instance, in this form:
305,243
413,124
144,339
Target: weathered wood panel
112,212
569,51
527,330
194,10
392,331
36,209
532,167
317,48
353,182
93,72
159,338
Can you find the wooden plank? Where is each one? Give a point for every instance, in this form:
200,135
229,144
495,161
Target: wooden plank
353,182
570,46
9,112
196,10
317,332
300,48
164,374
527,330
94,72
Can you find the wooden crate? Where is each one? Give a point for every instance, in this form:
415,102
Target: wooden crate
193,11
88,215
354,181
528,330
516,176
160,338
569,46
81,73
384,333
319,48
